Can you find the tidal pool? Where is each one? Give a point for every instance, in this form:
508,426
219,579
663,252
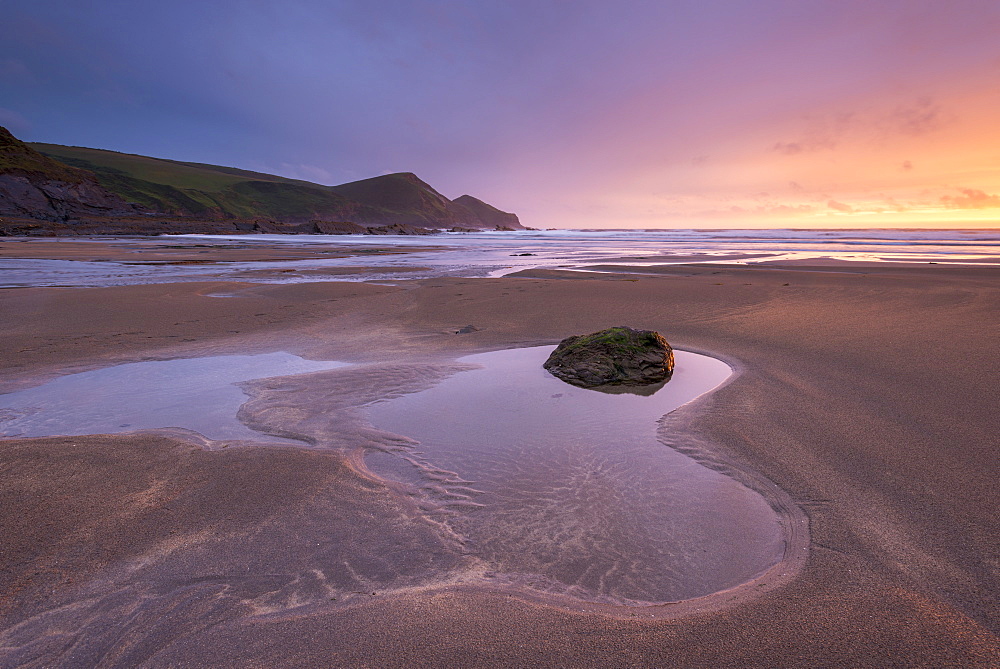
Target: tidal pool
195,393
570,491
543,485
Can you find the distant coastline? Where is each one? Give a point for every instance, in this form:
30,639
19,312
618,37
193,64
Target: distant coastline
49,189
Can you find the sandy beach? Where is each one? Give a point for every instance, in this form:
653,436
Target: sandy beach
864,396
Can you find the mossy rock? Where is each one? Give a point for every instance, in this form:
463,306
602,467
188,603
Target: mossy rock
618,356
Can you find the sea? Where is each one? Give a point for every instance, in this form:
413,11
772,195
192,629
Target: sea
496,254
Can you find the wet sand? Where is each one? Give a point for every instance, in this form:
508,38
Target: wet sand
167,250
867,396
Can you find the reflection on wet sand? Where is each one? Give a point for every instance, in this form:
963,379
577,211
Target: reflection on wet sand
538,483
571,489
526,479
195,394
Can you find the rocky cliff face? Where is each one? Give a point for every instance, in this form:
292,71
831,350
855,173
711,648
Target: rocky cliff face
54,200
35,186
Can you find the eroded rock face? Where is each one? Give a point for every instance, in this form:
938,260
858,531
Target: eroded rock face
616,356
52,200
338,228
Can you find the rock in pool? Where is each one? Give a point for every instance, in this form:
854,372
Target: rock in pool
616,356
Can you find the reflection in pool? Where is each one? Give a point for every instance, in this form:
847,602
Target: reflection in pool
543,484
196,394
571,489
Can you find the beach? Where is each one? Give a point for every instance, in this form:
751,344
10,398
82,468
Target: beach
863,403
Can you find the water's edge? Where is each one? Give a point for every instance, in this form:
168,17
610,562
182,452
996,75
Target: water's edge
672,432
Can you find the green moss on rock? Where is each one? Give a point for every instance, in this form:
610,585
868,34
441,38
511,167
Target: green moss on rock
616,356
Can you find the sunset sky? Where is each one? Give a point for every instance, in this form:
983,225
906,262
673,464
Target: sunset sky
704,113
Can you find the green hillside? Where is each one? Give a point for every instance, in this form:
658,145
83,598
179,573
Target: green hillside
487,213
195,189
213,192
396,192
16,156
406,199
181,175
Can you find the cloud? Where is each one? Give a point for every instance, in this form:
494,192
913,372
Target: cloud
771,210
823,133
788,148
826,132
971,198
895,205
922,117
785,209
840,206
906,166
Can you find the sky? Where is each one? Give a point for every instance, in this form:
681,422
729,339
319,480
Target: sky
571,114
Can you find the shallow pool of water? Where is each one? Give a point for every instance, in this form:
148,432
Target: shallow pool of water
570,489
557,488
196,394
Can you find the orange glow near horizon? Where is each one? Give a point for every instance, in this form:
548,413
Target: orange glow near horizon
882,159
689,113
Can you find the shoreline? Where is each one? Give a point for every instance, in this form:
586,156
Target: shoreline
900,530
793,520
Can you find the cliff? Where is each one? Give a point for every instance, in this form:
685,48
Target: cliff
33,185
107,191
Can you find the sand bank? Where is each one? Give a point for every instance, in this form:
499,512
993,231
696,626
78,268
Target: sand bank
867,396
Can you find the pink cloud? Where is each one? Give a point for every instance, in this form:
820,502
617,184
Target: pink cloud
823,132
788,148
826,132
971,198
779,210
922,117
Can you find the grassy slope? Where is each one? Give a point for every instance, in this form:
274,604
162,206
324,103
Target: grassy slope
408,198
207,178
489,214
18,157
203,190
396,192
209,190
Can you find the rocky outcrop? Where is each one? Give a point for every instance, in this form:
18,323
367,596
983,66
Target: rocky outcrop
338,228
50,200
11,226
348,228
400,229
35,186
617,356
